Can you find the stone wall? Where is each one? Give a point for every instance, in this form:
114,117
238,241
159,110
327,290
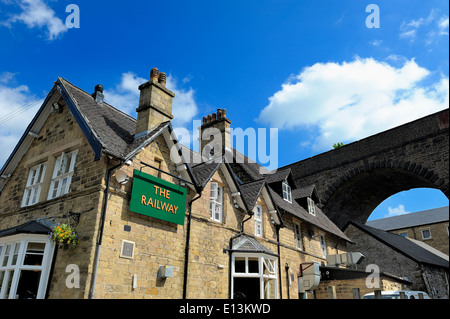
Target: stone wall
393,262
439,235
60,133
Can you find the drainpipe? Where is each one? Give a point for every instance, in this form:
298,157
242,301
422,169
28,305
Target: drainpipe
186,251
230,250
102,224
286,267
277,230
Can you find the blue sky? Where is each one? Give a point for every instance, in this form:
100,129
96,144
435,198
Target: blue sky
311,70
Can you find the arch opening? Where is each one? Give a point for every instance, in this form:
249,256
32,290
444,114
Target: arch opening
356,198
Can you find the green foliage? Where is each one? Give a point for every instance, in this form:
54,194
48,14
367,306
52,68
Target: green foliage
65,235
338,144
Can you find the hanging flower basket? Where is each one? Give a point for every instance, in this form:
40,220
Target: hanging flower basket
64,235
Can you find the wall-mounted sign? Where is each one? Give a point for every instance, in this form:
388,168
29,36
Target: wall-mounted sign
152,196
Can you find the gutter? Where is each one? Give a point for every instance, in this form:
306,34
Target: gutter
102,225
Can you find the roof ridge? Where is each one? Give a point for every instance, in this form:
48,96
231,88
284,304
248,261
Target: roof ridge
104,102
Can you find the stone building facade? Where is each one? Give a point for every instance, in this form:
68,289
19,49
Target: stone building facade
77,163
428,226
401,257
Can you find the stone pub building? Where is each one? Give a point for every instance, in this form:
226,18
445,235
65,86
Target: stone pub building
153,219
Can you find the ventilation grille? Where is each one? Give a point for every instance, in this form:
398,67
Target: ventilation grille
127,250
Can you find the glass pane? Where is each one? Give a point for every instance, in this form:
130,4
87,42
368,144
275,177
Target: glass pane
7,252
63,186
28,284
269,289
253,265
34,254
15,254
9,277
239,264
2,276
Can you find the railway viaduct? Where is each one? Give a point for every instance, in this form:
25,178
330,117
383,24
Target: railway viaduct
354,179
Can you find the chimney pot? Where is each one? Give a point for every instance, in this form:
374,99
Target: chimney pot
209,118
154,74
99,88
214,117
205,119
224,113
162,78
98,94
219,114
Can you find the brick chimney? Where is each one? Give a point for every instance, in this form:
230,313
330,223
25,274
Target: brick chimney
155,103
215,131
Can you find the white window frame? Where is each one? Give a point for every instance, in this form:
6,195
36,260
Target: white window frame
298,236
423,237
216,202
311,206
57,185
287,192
258,216
323,245
264,262
34,185
11,271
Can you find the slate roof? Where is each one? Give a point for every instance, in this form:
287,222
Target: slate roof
113,128
31,227
204,171
247,244
404,246
251,191
278,176
425,217
302,192
257,172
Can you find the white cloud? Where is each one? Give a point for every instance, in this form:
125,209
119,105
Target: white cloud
36,13
352,100
443,26
430,27
396,211
17,108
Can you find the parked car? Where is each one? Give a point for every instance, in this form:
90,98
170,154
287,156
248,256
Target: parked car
395,294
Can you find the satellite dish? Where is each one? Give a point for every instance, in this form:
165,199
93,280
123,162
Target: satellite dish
122,177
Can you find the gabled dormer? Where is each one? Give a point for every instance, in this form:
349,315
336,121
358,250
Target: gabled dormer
282,183
306,196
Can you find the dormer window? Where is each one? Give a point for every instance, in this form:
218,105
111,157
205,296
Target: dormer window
311,207
287,196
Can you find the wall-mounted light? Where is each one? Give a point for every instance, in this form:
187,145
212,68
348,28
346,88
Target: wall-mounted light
122,177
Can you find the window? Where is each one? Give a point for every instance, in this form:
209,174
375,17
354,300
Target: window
323,245
298,236
287,192
403,234
311,207
215,202
62,174
258,221
254,276
25,262
34,185
426,234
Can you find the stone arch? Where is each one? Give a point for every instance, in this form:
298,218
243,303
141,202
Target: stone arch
357,192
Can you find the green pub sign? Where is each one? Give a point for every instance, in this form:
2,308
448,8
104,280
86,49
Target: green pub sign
152,196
